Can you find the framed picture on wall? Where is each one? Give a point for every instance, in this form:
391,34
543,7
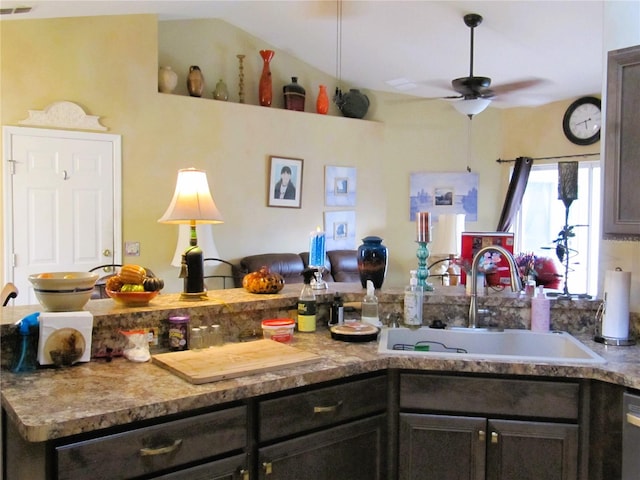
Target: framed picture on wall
340,228
340,186
285,182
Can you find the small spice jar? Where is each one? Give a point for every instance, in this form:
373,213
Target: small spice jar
178,326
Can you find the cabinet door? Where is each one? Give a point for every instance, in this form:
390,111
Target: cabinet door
441,447
354,451
233,468
532,451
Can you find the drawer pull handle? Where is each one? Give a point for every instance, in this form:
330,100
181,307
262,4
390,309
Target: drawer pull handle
494,437
328,408
148,452
482,436
244,474
633,419
267,467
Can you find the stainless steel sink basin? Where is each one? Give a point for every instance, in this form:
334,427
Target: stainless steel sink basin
486,344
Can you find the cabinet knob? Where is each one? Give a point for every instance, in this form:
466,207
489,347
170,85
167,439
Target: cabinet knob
267,467
148,452
244,473
494,437
482,435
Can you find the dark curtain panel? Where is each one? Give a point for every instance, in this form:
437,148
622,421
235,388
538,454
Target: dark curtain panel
517,186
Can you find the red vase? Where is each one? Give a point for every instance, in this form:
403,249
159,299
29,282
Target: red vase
265,91
322,103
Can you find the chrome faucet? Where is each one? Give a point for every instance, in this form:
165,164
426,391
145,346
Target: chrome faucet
516,284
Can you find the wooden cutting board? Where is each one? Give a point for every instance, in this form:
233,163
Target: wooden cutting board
232,360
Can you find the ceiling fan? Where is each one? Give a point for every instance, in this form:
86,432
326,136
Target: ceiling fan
474,91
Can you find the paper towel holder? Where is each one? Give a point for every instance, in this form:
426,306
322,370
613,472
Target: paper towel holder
617,342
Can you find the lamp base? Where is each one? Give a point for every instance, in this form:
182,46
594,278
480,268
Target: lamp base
194,296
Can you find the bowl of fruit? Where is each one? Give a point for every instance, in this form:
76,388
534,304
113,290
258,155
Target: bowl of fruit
63,291
132,287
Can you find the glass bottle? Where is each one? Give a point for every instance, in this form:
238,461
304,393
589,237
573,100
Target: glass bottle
307,306
294,95
221,92
337,311
195,342
413,299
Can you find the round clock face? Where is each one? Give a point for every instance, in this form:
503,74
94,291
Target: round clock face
583,120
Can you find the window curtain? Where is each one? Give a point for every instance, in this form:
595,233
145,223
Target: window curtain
517,187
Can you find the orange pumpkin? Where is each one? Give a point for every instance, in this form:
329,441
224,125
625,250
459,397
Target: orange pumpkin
263,281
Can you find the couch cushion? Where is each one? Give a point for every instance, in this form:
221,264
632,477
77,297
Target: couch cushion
344,265
289,265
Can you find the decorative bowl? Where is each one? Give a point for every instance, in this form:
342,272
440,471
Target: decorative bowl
133,299
63,291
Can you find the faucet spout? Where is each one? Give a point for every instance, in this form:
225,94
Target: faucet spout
516,284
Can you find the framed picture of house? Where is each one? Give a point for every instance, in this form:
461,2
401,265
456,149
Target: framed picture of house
340,186
285,182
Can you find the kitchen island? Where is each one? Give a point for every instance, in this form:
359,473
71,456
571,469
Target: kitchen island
49,407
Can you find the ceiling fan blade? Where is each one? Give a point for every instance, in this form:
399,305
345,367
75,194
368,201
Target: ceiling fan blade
517,85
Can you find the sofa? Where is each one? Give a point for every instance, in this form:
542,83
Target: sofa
340,265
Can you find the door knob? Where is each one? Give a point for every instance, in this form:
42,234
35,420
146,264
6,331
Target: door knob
106,252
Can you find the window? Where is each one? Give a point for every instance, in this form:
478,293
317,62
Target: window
542,217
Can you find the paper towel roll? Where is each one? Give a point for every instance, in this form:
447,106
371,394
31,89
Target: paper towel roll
617,290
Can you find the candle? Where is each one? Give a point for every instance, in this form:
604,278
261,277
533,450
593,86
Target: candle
568,181
317,248
423,227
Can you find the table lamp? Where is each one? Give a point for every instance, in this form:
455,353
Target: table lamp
192,203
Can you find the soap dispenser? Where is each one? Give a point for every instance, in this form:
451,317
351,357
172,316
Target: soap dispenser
370,307
413,299
540,311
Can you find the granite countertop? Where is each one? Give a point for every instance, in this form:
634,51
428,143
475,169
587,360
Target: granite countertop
53,403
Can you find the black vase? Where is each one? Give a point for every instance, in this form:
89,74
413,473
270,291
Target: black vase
294,95
372,261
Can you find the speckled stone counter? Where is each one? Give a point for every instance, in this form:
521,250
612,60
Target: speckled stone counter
54,403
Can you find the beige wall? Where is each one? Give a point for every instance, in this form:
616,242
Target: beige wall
109,66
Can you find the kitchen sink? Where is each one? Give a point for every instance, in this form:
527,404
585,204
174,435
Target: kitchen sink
474,343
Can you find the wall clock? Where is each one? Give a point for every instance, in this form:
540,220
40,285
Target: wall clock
582,121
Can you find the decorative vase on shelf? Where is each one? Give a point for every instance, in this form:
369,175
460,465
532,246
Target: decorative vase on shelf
322,103
195,81
221,92
353,104
294,95
372,261
265,91
167,80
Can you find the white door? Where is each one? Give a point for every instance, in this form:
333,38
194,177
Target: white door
62,203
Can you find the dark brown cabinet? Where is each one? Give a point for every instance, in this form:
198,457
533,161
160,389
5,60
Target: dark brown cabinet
354,451
447,432
336,432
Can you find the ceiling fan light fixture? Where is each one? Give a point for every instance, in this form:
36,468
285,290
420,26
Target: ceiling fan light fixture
471,106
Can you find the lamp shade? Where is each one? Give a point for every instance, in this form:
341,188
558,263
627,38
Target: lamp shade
192,200
448,236
471,106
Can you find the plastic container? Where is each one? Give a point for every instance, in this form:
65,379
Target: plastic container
370,307
540,311
278,329
178,333
413,301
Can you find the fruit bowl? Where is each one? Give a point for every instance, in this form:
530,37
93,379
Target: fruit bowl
133,299
63,291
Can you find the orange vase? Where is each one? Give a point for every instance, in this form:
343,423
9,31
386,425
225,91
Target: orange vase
322,103
265,91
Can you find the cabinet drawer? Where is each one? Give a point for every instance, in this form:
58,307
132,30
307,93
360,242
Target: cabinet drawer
489,396
292,414
152,449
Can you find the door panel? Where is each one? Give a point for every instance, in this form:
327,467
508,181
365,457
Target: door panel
532,451
441,447
62,203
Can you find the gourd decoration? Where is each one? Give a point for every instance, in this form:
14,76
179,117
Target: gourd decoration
263,281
